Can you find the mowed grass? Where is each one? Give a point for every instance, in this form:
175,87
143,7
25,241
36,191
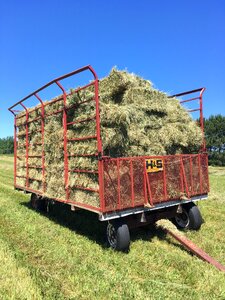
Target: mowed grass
63,255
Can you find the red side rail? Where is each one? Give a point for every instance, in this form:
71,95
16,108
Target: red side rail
199,101
63,98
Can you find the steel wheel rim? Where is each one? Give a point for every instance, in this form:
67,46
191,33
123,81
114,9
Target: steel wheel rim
111,235
182,219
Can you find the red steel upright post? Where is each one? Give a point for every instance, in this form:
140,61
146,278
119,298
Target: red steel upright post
42,141
191,173
118,182
66,167
202,120
15,150
164,180
181,176
27,145
184,178
145,183
15,147
149,189
99,141
200,172
132,182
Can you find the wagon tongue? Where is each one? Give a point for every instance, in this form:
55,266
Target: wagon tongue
194,249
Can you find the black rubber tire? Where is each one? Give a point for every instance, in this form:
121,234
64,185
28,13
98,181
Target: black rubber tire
195,218
38,203
118,235
191,216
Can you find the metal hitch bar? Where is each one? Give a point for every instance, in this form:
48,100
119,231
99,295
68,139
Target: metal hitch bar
195,249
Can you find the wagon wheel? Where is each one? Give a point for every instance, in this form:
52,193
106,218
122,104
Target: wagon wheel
118,235
189,218
38,203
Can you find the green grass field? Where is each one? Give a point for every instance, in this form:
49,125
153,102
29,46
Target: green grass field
63,255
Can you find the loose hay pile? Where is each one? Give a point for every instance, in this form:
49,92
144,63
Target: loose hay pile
136,119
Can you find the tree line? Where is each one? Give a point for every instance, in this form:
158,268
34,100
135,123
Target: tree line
214,134
6,145
215,139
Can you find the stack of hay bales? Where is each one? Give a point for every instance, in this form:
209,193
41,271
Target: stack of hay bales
136,119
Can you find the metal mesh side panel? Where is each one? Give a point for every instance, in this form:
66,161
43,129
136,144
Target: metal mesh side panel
111,194
156,184
119,177
138,177
125,184
204,169
188,182
173,178
195,176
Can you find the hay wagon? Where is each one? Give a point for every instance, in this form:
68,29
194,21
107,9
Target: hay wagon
131,191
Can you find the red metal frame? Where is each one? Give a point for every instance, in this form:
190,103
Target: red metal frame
146,186
199,108
150,195
99,151
42,139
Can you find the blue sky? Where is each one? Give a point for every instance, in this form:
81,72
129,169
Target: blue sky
178,45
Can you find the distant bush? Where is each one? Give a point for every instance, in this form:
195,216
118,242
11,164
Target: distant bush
217,159
215,139
6,145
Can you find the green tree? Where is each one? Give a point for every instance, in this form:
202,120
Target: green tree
215,139
6,145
